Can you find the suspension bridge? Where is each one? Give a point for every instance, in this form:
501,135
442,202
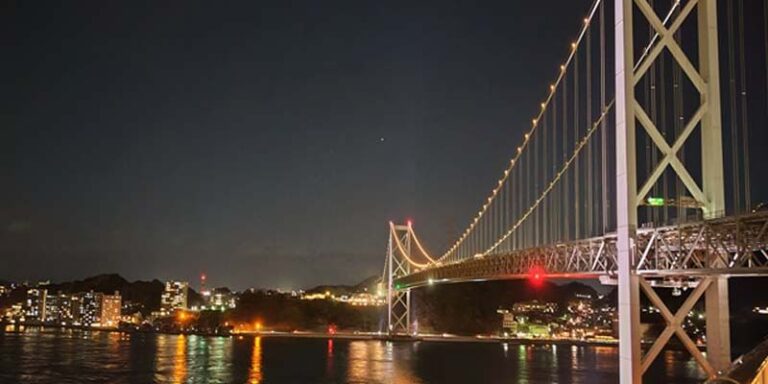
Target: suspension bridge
635,170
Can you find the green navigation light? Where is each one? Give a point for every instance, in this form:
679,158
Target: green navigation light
655,201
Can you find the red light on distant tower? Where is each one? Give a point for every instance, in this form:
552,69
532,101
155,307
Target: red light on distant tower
410,222
536,275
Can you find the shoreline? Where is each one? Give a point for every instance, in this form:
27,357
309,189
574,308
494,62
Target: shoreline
364,336
335,336
429,338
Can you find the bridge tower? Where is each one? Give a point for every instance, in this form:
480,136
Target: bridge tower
398,300
710,196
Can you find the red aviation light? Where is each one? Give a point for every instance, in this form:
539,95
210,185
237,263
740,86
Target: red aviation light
536,275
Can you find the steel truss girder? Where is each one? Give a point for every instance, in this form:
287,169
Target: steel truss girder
736,245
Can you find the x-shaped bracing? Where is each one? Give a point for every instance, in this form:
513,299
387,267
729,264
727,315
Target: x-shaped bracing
674,325
670,152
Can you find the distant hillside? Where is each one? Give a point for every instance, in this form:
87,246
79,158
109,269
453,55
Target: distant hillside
369,285
146,293
470,308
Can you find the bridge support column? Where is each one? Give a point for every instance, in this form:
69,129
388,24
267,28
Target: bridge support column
626,195
718,324
398,298
711,123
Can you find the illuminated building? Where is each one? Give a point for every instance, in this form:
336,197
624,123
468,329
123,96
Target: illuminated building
110,310
508,323
362,299
76,304
135,318
86,308
59,309
315,296
217,299
522,326
34,308
174,297
221,299
13,313
534,306
90,308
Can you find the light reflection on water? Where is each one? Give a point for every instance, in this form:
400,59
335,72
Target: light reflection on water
180,360
254,376
70,356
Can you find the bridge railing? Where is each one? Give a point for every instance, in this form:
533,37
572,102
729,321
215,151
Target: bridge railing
751,368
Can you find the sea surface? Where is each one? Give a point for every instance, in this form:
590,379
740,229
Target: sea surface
77,356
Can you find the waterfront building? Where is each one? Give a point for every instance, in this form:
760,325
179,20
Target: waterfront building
221,299
90,308
365,299
13,313
34,307
110,310
51,312
534,306
316,296
175,296
508,323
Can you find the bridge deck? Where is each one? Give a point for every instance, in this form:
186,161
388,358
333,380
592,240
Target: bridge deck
734,245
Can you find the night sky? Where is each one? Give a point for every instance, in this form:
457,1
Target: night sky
266,143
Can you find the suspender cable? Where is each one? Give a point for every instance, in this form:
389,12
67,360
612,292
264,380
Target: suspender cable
538,176
653,97
539,182
528,194
589,159
765,41
732,112
555,224
662,112
603,130
518,204
547,238
651,161
677,116
507,188
563,171
565,198
744,125
576,181
648,104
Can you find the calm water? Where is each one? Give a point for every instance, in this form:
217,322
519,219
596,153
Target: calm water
102,357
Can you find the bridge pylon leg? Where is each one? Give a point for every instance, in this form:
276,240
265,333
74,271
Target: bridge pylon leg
626,196
718,324
398,298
